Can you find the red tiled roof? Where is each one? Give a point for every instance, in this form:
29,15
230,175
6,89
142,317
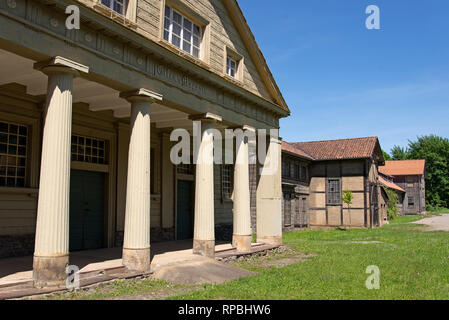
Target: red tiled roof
390,185
288,147
403,167
357,148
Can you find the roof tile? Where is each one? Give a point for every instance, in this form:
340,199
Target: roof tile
356,148
403,167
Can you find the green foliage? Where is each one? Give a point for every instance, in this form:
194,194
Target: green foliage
392,204
386,156
347,197
399,153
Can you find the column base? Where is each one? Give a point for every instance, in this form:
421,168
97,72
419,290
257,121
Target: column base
242,243
50,271
272,240
137,259
204,248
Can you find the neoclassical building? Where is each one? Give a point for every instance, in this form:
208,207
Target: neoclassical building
85,122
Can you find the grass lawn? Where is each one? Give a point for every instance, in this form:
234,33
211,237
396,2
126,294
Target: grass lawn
438,211
327,264
413,265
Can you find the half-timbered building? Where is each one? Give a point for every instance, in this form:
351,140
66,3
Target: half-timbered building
334,166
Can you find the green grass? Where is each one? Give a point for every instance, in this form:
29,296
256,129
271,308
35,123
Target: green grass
438,210
413,265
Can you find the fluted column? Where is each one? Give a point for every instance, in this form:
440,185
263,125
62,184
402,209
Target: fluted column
269,196
204,224
242,234
136,242
51,252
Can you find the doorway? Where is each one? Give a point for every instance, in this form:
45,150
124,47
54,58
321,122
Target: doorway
184,221
87,210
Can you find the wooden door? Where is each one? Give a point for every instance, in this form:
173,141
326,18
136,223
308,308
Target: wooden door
184,221
87,214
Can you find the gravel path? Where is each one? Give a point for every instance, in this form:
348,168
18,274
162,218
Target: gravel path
436,223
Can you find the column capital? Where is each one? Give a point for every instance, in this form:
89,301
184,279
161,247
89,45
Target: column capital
243,127
141,94
208,116
61,65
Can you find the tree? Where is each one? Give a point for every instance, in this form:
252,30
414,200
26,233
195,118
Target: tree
392,203
435,150
386,156
347,198
399,153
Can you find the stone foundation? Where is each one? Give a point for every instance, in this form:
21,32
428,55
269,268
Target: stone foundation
137,259
204,248
16,246
50,271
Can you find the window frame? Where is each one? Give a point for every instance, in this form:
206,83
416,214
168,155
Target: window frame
104,149
230,68
26,167
338,200
194,24
226,195
304,173
231,54
286,169
124,6
408,202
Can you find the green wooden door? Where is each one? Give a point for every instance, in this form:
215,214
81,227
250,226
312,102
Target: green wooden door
86,210
184,224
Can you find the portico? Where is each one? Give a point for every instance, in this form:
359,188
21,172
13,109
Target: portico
96,169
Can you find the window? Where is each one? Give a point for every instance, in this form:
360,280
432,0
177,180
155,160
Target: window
303,173
285,169
292,170
231,67
411,202
333,191
181,32
13,154
87,149
118,6
296,171
227,181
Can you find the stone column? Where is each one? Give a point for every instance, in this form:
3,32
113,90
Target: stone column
242,234
269,196
136,241
51,251
204,225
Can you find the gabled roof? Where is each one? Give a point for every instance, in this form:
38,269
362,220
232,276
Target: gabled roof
287,147
343,149
390,185
404,167
256,54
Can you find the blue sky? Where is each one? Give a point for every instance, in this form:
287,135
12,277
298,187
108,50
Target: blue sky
342,80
